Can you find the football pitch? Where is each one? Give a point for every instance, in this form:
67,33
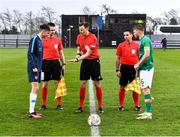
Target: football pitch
15,90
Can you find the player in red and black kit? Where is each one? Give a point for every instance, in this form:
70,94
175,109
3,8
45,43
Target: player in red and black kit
53,64
126,57
90,67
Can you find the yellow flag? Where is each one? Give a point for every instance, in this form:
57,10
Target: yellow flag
134,86
61,89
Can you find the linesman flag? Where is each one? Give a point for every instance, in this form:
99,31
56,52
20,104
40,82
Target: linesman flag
134,86
61,89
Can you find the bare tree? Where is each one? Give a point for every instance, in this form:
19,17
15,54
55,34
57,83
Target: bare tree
17,19
29,23
58,22
150,24
171,15
160,21
48,13
39,20
8,18
3,22
106,9
173,21
87,11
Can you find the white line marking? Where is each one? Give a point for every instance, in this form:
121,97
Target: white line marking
94,129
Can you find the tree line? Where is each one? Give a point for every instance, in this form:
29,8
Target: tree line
15,22
170,17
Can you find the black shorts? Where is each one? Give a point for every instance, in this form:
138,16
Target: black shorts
128,74
90,69
52,70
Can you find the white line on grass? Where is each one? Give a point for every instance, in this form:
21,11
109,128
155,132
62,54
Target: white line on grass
94,129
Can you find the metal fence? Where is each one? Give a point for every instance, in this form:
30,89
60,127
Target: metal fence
14,41
22,41
173,41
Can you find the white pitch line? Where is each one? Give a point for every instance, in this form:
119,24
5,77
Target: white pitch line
94,129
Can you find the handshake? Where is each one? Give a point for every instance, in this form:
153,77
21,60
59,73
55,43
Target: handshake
74,60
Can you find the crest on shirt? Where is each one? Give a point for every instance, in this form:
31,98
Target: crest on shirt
40,49
55,46
133,51
93,46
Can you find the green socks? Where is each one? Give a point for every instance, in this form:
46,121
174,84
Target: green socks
148,102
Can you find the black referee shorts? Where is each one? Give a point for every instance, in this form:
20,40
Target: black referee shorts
90,69
52,70
128,74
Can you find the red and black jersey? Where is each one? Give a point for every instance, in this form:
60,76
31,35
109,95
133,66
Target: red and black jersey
91,41
51,47
128,52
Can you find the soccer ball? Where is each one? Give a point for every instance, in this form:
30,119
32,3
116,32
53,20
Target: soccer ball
94,120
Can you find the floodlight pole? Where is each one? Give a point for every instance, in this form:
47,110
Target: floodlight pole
70,27
98,33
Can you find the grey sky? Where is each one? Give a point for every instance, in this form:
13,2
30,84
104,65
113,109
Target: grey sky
153,8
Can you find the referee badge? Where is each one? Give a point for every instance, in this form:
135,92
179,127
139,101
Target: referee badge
133,51
55,46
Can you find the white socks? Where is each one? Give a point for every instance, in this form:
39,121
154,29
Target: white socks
32,98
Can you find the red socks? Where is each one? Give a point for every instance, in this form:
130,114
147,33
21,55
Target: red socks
82,96
99,96
58,100
44,95
135,98
121,97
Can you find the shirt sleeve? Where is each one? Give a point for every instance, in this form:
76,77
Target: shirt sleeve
119,51
60,46
93,42
33,52
78,40
146,44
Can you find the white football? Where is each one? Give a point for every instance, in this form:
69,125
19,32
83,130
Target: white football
94,120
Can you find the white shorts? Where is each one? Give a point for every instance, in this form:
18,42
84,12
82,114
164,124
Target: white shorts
146,78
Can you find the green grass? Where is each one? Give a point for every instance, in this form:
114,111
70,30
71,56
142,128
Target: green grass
15,89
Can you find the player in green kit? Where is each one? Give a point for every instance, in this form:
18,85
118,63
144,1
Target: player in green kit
146,69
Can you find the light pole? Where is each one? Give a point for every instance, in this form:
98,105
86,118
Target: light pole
98,33
69,30
60,24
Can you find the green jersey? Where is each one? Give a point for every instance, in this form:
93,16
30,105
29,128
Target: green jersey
145,43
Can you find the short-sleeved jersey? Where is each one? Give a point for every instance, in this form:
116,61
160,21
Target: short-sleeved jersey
51,47
91,41
79,39
35,53
128,52
145,43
